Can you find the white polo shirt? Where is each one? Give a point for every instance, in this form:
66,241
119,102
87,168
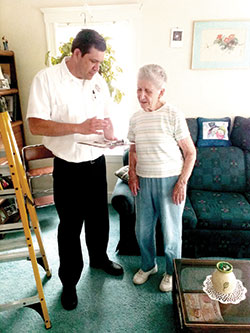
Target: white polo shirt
57,95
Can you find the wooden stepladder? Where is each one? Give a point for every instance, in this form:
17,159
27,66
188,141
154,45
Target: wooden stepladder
26,208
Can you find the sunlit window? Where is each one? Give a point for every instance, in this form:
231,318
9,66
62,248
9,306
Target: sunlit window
121,40
121,29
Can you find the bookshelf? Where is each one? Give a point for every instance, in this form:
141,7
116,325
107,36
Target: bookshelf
11,98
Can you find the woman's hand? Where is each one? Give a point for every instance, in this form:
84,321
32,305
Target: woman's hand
179,192
133,182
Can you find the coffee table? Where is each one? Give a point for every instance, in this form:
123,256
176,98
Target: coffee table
211,316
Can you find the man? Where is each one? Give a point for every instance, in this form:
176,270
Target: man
69,101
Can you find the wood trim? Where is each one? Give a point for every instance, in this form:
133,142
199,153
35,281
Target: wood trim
16,123
6,53
8,92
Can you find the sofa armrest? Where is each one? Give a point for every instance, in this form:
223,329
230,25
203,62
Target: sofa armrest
122,199
247,195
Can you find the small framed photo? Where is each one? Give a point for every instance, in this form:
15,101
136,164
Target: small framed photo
3,104
5,72
4,84
10,105
176,37
3,216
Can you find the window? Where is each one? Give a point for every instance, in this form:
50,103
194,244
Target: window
119,22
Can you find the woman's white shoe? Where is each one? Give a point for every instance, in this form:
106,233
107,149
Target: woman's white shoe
166,283
141,277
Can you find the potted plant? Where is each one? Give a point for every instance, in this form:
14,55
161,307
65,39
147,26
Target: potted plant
108,69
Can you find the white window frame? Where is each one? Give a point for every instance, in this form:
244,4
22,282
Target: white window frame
104,13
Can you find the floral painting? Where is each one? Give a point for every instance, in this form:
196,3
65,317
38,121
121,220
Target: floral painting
221,45
225,43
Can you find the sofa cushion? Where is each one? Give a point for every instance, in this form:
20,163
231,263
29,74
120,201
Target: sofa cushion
189,218
209,243
193,128
219,169
247,163
213,132
122,173
240,136
218,210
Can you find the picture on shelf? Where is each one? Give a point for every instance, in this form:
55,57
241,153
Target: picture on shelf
10,105
3,216
3,104
4,84
5,71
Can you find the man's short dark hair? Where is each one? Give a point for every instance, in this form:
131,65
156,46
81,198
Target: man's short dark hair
87,38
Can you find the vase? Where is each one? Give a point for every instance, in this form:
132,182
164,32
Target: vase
223,278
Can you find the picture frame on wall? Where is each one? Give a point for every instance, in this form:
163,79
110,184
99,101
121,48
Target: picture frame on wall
221,45
176,37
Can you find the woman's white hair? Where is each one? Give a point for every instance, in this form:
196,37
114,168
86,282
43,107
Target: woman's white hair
155,74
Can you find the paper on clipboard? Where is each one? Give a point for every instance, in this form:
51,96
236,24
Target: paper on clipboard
104,143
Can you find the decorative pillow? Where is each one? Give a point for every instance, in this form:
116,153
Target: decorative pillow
214,132
240,136
122,173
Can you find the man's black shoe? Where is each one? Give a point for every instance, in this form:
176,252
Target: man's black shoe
69,298
109,267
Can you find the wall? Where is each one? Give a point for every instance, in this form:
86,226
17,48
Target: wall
196,92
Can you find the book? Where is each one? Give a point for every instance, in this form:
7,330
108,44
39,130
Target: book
202,308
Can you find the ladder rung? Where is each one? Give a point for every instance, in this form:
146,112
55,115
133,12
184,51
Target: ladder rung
4,170
12,244
15,256
9,193
3,154
20,303
11,227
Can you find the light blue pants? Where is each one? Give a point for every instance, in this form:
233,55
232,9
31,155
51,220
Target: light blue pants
153,201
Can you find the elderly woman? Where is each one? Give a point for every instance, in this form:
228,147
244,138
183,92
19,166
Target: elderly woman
161,160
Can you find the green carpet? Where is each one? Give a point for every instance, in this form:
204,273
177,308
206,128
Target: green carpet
106,303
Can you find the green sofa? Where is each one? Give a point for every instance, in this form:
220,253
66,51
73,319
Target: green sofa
216,218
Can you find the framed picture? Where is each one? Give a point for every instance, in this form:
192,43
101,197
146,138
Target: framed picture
4,84
3,216
3,104
221,45
10,105
176,37
5,72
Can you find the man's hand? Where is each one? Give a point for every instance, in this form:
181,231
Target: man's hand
92,126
